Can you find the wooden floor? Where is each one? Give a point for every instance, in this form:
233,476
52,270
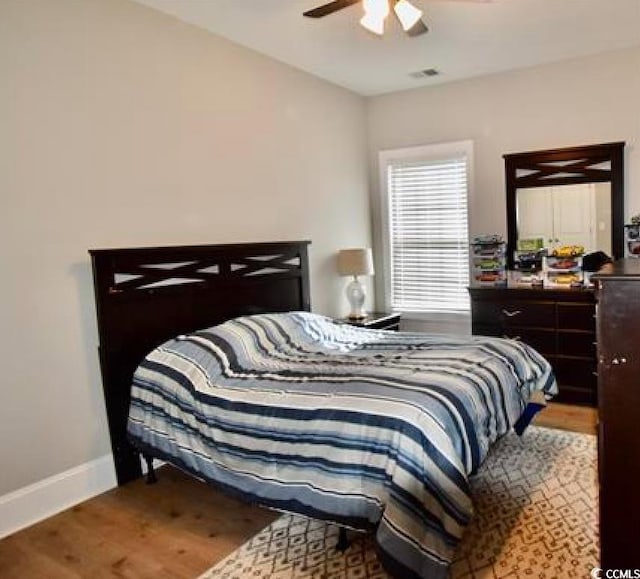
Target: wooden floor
175,529
566,417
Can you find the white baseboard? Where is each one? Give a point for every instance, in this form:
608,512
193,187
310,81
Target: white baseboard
28,505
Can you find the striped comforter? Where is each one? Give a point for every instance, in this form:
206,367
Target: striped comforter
371,429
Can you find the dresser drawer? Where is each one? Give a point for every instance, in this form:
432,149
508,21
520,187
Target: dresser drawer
576,378
514,314
486,313
518,314
542,340
577,344
577,317
577,372
486,329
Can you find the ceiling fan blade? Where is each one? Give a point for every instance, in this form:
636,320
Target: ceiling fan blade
418,28
329,8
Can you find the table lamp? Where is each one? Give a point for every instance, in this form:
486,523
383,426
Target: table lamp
355,262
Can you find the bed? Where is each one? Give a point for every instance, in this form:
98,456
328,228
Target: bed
370,429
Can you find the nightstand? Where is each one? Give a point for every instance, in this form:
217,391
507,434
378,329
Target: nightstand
377,321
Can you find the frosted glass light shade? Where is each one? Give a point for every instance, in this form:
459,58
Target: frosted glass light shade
373,24
355,262
376,8
375,12
407,13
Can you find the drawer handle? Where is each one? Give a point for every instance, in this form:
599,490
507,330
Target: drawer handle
595,374
617,361
511,314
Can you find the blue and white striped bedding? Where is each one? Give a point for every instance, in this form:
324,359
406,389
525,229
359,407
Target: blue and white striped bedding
373,429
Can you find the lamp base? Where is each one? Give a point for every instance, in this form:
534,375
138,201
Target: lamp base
356,295
361,316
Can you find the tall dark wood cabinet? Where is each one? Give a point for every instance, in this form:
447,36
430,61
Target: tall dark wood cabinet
559,323
618,330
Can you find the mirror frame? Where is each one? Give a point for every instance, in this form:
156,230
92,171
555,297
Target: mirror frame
539,173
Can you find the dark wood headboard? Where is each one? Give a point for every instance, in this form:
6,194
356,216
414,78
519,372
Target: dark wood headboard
145,296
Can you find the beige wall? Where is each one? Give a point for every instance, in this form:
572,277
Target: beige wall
578,102
121,126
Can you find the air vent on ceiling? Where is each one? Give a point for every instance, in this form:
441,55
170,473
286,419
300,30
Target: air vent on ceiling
427,72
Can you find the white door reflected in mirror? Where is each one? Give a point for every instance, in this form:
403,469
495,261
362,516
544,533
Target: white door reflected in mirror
567,215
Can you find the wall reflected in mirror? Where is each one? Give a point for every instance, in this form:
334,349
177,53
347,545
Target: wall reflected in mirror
565,215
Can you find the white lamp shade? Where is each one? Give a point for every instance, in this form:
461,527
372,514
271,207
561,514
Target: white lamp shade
355,261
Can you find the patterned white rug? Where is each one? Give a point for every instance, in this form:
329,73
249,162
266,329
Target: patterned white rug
536,502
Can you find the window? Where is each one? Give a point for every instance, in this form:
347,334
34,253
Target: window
425,231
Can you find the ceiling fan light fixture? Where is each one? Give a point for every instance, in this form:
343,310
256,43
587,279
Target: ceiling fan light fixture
378,9
375,12
373,24
407,14
418,28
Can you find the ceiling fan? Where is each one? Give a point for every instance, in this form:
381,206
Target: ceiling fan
375,13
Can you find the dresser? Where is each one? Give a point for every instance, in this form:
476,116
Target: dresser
618,329
558,323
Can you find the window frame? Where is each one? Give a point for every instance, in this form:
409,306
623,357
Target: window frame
427,153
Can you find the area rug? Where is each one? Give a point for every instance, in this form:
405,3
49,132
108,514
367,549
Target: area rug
536,503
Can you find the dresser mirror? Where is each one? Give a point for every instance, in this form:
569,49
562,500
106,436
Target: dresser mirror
572,196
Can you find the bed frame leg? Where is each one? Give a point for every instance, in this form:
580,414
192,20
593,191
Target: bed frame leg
343,541
151,473
527,416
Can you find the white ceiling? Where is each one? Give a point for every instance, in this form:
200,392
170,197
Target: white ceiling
465,39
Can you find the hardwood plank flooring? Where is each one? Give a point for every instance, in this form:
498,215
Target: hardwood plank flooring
175,529
567,417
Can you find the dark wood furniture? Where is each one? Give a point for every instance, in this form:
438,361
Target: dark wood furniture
569,166
618,328
559,323
376,321
146,296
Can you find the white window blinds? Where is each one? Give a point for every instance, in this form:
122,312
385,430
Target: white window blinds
428,239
